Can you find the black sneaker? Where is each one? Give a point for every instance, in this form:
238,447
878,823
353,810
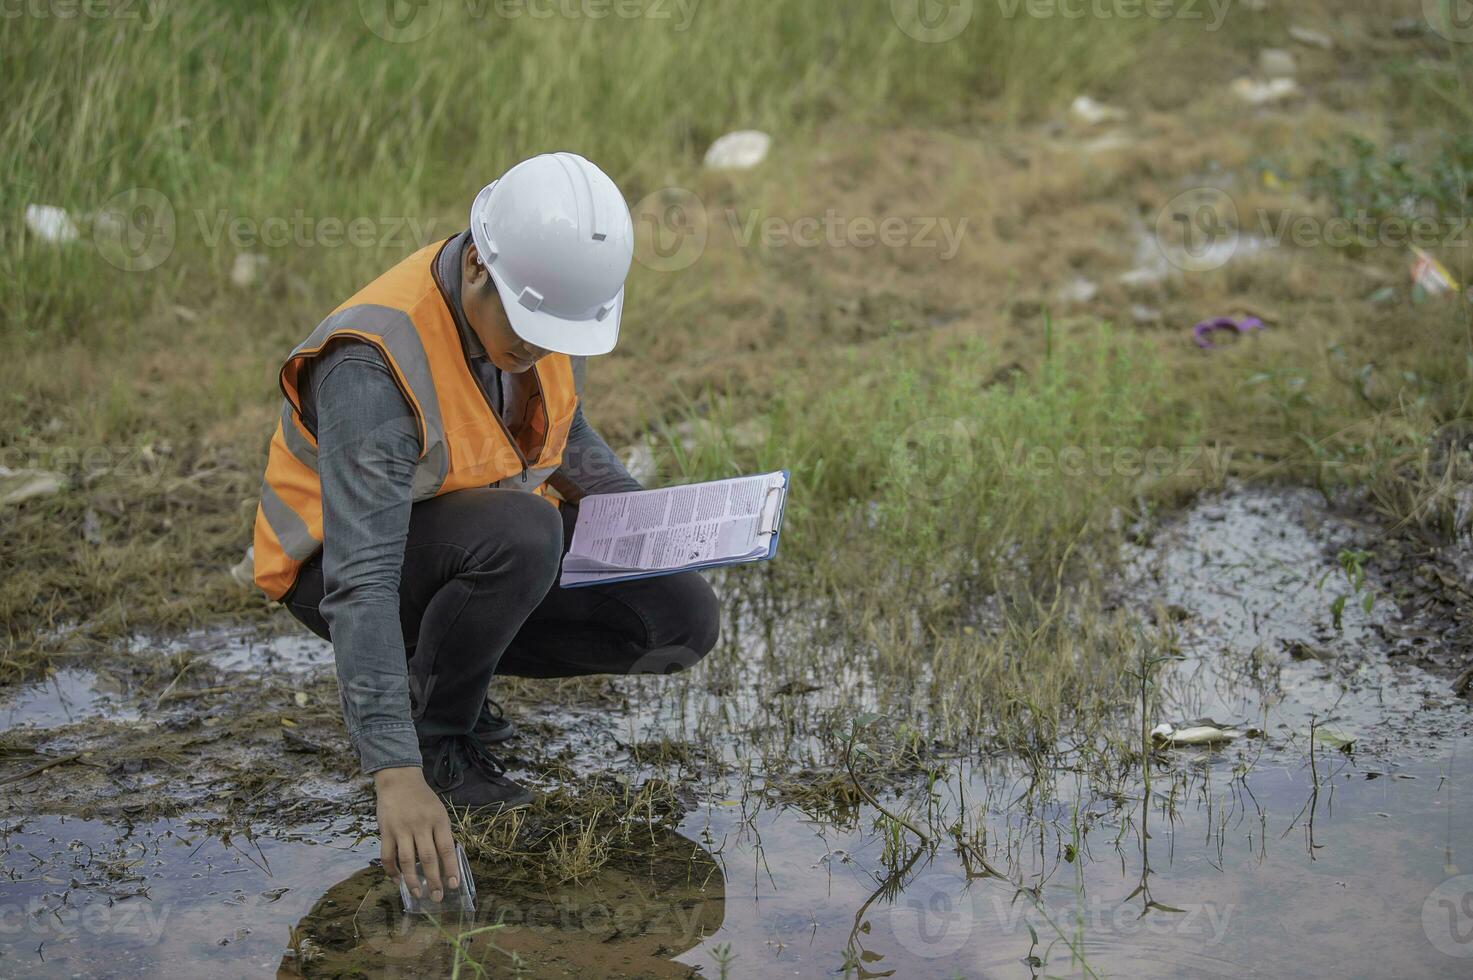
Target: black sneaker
459,768
493,725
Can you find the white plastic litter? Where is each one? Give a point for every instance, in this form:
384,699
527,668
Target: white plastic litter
1151,265
1277,63
17,486
246,269
1078,290
1255,92
244,571
639,460
1143,314
741,150
1087,110
50,223
1204,731
1109,143
1312,38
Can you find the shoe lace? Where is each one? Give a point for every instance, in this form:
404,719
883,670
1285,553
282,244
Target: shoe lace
461,752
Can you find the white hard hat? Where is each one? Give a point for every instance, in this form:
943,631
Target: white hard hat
556,236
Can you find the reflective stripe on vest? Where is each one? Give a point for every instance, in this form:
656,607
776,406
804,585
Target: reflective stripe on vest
462,441
393,332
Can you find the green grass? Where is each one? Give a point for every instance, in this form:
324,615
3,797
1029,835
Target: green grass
925,477
926,469
1382,182
266,110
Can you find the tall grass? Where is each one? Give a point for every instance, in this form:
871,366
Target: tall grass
921,471
270,109
922,482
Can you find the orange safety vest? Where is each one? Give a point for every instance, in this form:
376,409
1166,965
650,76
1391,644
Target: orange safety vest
463,443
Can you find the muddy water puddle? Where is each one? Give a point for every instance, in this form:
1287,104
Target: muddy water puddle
163,898
249,650
67,696
1269,879
1256,857
174,898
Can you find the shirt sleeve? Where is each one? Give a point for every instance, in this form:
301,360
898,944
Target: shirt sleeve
589,465
367,450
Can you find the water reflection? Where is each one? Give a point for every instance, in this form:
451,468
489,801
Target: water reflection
1236,884
628,919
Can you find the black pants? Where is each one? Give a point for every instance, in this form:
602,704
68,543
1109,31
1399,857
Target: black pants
478,597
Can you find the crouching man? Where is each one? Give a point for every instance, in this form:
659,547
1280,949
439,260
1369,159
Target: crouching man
406,512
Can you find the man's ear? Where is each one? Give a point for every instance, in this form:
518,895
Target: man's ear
472,272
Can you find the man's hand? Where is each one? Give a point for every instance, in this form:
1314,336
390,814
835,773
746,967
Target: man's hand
412,821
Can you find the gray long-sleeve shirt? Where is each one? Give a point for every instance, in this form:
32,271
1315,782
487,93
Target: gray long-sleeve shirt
368,446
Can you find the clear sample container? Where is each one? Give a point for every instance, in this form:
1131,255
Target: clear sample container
456,901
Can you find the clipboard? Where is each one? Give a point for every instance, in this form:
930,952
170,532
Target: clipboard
773,510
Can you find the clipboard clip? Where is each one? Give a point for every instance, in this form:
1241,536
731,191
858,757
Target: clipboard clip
771,507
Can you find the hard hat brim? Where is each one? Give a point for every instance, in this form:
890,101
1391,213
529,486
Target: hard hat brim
576,338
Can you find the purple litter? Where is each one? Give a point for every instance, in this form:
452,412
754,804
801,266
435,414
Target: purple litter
1206,328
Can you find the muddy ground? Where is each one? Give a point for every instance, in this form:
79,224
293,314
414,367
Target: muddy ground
204,781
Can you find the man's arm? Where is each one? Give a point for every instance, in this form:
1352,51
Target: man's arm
368,445
367,449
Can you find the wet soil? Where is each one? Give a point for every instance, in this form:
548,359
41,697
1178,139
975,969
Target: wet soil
190,808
